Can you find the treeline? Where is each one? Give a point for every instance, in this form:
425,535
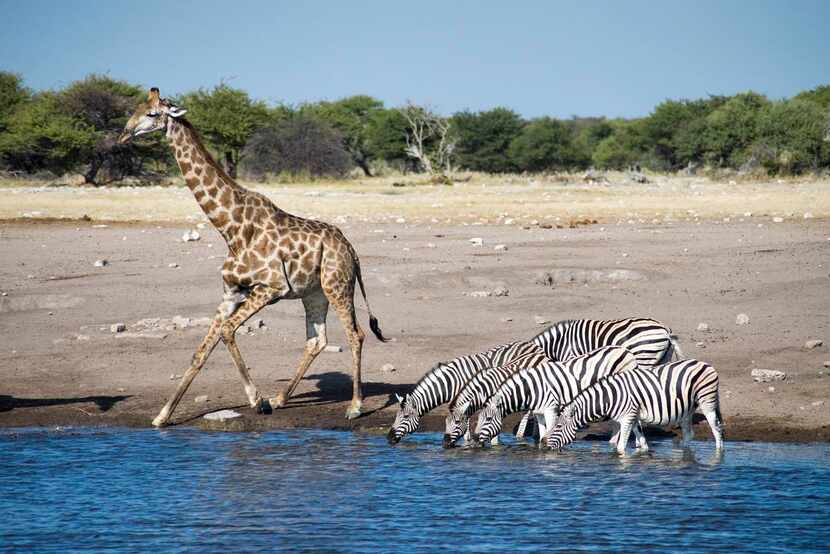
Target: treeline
75,130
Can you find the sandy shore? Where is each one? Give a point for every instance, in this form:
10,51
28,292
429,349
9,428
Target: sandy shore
60,364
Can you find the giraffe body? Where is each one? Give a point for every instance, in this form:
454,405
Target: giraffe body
272,256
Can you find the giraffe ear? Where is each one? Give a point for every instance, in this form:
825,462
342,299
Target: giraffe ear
176,112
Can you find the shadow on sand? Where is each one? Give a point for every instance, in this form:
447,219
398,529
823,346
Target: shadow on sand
334,386
104,403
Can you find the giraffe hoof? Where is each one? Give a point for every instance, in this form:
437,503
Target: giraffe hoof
263,407
353,412
159,422
277,402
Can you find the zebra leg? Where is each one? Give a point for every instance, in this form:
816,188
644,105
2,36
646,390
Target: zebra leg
520,430
625,430
717,429
639,437
688,433
615,435
468,436
494,441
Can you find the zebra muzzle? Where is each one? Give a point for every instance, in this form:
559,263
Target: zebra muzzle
449,442
392,437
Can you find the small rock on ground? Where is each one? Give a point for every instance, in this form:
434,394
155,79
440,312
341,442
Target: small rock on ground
201,399
476,241
387,368
767,375
333,348
703,327
541,320
100,263
118,328
222,415
742,319
190,236
500,247
501,291
814,343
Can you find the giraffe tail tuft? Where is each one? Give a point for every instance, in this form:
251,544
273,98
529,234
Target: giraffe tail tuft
374,325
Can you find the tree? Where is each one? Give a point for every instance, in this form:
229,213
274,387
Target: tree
484,138
428,139
545,144
352,118
41,135
732,128
227,118
298,145
624,147
386,136
791,133
103,105
819,95
12,94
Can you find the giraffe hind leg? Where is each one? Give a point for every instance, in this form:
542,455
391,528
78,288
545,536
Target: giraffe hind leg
356,336
316,309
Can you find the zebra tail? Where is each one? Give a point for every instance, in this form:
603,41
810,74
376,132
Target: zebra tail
673,352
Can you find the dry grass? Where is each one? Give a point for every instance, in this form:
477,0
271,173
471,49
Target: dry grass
481,198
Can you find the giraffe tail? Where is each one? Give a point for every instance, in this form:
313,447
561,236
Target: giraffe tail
374,325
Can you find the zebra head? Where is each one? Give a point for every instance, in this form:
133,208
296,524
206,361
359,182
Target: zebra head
455,426
406,420
490,422
563,433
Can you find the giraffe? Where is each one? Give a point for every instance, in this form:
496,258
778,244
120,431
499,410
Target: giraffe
272,256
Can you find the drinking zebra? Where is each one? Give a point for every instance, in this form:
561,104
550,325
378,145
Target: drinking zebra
667,394
650,341
442,383
478,389
548,386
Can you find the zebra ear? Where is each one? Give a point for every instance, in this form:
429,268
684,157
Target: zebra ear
400,398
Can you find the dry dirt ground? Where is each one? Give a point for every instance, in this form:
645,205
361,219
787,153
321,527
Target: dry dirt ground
61,365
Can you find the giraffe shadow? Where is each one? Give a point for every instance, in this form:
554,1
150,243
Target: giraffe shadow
334,386
104,403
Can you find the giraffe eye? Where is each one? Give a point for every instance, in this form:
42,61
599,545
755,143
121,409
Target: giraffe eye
153,114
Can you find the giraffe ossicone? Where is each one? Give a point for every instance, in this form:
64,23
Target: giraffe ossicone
272,256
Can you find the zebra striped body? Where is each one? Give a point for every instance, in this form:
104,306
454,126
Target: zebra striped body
668,394
649,340
548,386
478,389
442,383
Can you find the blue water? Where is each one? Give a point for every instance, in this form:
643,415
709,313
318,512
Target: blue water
120,490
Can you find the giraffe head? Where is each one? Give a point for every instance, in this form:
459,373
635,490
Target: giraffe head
151,115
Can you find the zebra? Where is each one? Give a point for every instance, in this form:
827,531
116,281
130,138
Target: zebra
667,394
650,341
440,384
548,386
478,389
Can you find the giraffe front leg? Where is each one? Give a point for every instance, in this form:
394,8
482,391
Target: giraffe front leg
199,359
258,299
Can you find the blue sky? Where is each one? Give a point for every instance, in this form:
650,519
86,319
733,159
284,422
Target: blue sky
614,58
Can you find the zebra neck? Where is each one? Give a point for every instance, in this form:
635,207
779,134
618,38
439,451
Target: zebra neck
428,395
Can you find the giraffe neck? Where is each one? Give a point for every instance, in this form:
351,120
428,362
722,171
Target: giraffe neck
217,193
